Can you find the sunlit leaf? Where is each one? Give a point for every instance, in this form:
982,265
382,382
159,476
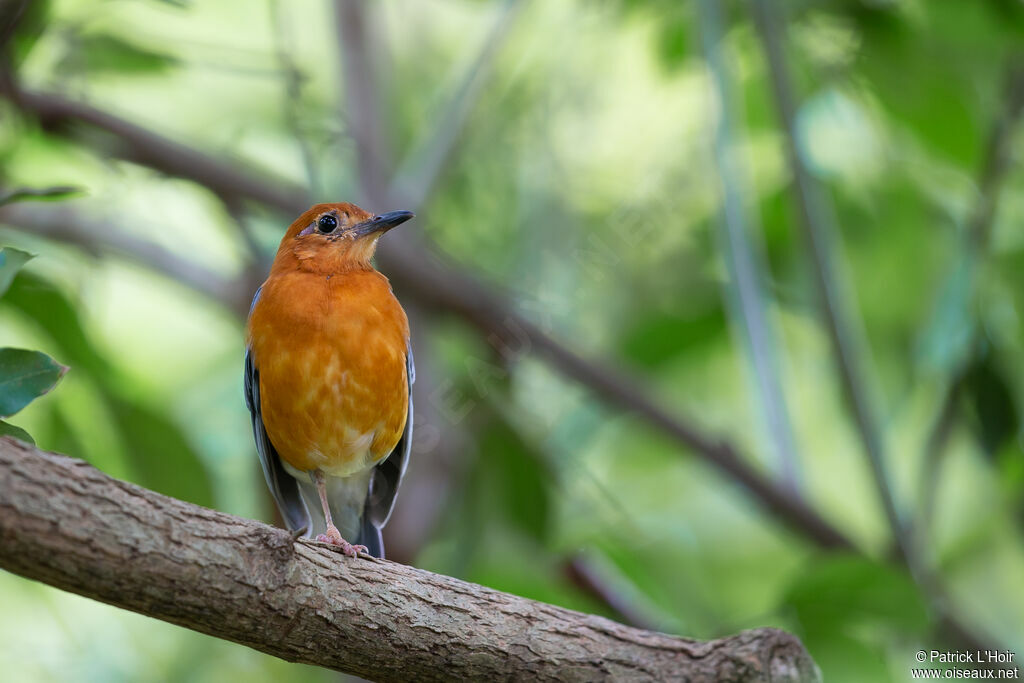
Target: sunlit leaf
7,429
104,52
11,261
24,376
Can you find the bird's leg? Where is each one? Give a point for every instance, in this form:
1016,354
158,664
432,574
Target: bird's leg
333,536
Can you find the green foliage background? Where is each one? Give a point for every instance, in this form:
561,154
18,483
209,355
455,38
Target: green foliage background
584,186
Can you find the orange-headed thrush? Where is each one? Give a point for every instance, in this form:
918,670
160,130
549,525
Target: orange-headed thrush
328,371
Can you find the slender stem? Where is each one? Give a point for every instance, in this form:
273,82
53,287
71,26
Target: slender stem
994,170
745,269
361,46
422,168
818,226
292,102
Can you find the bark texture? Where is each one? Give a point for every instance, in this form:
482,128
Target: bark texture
65,523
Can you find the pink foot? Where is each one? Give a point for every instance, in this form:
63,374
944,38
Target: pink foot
333,537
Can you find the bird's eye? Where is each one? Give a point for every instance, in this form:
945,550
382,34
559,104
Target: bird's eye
327,224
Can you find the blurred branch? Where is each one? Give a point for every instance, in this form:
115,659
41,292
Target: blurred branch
819,227
998,155
66,524
134,143
588,580
292,104
361,47
55,221
995,167
445,288
745,268
420,172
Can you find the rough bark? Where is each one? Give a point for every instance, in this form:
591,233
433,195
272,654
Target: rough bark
65,523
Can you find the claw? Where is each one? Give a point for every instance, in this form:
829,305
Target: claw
333,537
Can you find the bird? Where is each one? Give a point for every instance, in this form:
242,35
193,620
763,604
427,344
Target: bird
328,377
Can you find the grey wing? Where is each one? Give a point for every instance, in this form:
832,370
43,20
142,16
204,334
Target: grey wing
283,486
387,475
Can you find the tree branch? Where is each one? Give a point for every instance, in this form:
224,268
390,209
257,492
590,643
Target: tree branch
58,222
134,143
360,44
65,523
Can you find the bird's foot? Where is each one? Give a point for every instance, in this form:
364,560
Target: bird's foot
333,537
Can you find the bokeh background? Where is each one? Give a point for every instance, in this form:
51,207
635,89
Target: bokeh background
695,288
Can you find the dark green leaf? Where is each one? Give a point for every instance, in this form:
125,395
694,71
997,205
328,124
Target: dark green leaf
22,23
160,453
11,261
21,194
56,315
518,478
25,375
7,429
997,418
103,52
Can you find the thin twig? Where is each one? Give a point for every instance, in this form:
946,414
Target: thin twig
423,167
994,170
361,47
591,582
62,222
819,226
292,101
744,286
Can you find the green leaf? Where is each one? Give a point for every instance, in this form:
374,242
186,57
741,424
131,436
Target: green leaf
103,52
24,376
20,194
517,479
836,592
160,454
7,429
989,394
23,23
51,310
11,261
850,609
655,340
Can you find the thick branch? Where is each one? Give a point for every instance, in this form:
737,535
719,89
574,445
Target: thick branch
65,523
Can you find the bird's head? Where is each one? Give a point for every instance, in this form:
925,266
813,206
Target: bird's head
331,238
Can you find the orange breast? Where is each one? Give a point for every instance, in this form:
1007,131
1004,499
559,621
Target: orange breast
331,357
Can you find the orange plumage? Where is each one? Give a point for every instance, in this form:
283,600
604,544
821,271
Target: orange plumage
328,346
